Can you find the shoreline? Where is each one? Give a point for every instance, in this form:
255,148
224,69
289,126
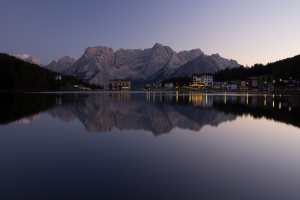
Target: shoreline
179,90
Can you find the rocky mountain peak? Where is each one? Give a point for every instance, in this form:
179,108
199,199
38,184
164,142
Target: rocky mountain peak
223,62
66,60
157,45
92,51
215,55
61,65
27,58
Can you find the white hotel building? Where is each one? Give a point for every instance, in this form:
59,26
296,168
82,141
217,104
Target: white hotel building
203,79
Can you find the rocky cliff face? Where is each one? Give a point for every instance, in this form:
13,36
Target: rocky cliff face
94,65
100,64
223,62
201,64
61,65
179,59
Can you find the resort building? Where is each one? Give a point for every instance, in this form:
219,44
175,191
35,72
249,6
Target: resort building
291,84
219,85
270,86
169,85
249,83
204,79
231,86
120,84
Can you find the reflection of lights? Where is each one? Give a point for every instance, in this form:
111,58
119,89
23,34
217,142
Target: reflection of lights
290,108
225,98
279,105
148,96
247,99
273,104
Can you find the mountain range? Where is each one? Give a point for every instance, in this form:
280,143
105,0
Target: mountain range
99,64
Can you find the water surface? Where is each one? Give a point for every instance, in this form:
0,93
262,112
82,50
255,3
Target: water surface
151,145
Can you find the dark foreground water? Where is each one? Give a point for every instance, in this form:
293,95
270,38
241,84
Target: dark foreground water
149,146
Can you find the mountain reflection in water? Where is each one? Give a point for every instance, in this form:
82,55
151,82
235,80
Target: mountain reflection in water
157,112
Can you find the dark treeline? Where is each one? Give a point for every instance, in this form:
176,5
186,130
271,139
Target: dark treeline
283,69
15,106
18,75
258,112
178,81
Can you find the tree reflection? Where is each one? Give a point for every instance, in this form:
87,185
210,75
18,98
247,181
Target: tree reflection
157,112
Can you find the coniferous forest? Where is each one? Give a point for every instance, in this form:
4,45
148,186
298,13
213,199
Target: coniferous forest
282,69
18,75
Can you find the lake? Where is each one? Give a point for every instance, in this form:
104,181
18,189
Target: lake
149,145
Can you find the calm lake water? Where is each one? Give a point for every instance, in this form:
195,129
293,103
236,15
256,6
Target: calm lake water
149,146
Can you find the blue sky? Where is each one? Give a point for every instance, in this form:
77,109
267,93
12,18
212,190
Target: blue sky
247,31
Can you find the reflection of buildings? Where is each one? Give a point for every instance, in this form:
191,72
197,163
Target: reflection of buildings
231,98
120,97
225,98
203,101
249,100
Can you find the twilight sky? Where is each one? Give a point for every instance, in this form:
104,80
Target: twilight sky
250,32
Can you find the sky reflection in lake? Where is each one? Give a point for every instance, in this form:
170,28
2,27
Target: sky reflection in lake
206,148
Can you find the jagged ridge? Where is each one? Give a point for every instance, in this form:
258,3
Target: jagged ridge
100,64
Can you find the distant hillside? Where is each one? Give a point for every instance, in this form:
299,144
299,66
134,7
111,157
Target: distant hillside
19,75
282,69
